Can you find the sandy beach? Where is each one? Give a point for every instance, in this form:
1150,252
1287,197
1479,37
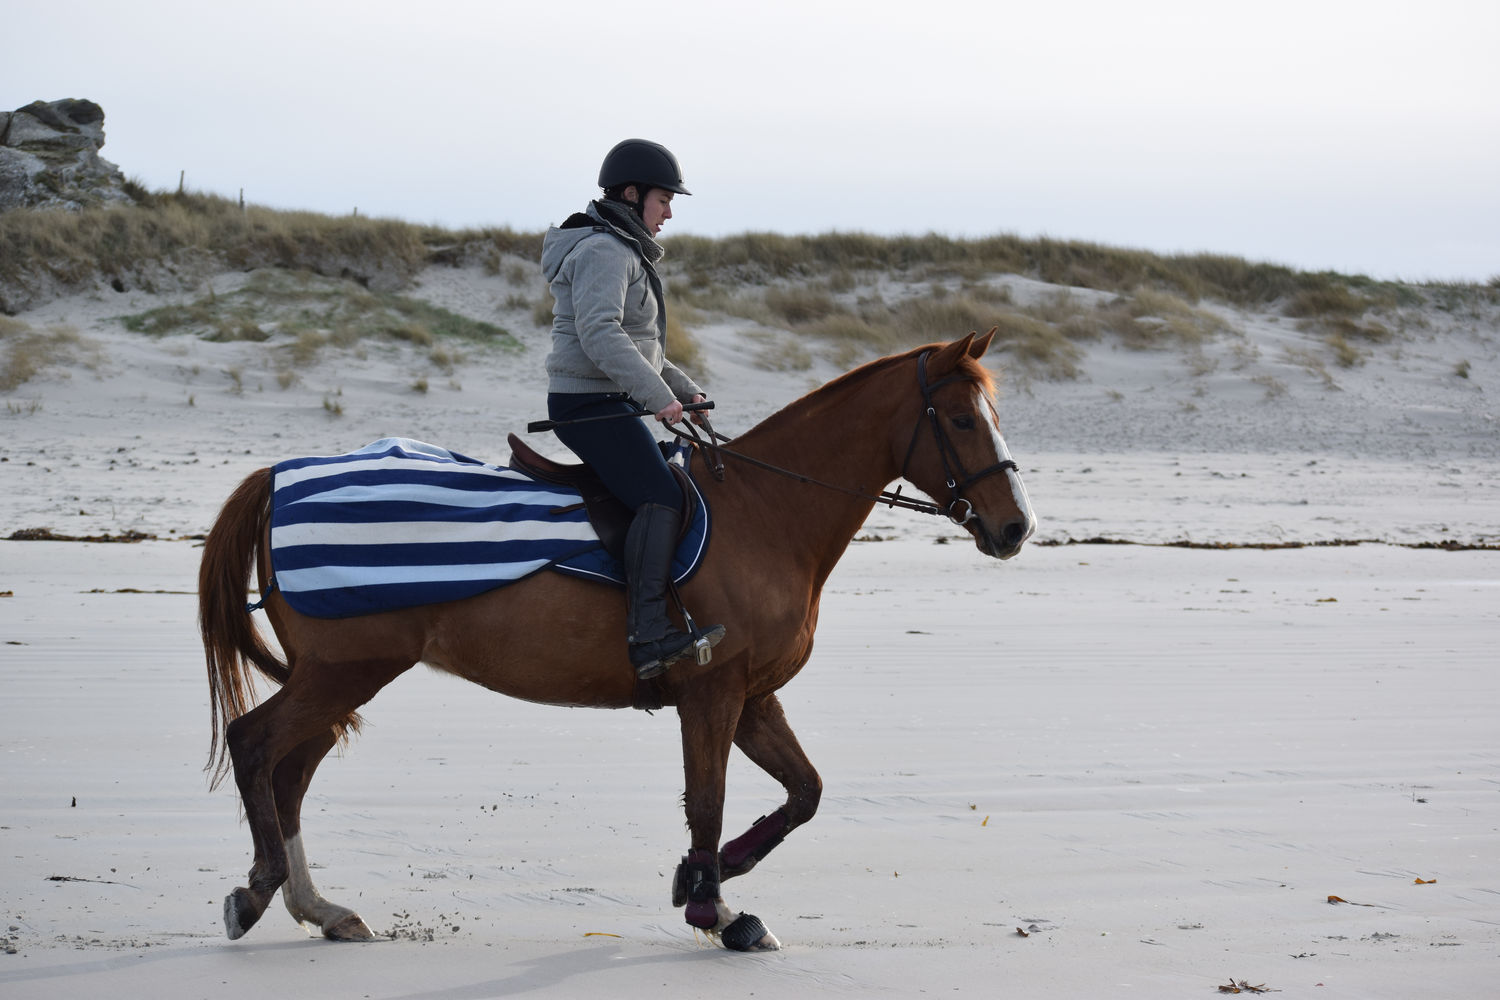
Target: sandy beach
1094,770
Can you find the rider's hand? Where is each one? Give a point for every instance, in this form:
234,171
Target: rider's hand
672,413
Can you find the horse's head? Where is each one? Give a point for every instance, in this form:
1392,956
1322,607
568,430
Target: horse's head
957,454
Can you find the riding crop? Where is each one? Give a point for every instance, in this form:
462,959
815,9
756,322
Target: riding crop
546,425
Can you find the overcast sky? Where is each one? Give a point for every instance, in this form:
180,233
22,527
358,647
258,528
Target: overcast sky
1358,136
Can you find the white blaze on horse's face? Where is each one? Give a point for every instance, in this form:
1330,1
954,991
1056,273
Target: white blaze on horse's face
1002,454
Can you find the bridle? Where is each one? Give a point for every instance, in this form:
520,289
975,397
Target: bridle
954,474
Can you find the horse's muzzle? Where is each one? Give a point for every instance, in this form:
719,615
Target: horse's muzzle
1004,542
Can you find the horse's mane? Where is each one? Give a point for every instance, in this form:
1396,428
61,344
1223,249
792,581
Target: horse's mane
968,367
814,403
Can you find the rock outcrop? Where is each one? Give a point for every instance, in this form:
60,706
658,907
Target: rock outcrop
49,157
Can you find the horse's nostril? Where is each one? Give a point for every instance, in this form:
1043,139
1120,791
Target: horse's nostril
1014,533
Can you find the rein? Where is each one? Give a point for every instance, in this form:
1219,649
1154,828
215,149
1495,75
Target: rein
953,469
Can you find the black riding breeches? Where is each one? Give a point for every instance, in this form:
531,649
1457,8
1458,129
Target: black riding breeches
622,451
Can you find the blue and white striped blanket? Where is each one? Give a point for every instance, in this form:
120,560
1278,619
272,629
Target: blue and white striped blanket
400,523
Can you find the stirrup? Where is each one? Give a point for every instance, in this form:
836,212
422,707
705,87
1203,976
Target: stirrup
666,651
705,641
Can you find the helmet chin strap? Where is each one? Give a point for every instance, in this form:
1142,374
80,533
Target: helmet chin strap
639,205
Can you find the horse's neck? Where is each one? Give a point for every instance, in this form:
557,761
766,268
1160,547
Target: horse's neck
837,438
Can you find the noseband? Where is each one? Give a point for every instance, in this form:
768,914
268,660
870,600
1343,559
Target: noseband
957,478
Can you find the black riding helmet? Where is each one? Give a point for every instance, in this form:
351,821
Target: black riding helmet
643,163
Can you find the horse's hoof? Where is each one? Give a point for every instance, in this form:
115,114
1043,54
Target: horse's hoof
351,928
240,913
748,933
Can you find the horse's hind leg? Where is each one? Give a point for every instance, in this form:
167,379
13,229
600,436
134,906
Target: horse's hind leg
315,698
764,736
254,755
303,901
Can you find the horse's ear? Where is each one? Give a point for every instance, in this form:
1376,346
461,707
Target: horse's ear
978,345
947,357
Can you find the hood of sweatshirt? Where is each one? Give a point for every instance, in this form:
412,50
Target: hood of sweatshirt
561,240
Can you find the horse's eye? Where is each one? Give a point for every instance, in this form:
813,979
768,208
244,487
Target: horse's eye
964,422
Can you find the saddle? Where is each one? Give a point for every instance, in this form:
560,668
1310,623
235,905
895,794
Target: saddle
610,518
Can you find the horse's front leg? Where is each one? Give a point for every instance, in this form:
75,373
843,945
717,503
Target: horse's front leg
765,737
710,713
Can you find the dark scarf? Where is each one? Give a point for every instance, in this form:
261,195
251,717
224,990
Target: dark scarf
623,217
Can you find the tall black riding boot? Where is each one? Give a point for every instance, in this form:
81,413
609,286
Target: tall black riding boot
649,545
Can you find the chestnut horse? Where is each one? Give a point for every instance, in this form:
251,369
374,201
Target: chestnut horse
927,415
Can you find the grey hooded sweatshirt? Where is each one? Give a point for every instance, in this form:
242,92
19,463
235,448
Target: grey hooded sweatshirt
608,320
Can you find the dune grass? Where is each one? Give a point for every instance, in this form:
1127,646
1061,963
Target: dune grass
841,293
812,284
1042,336
25,352
806,283
305,313
682,348
163,227
178,229
764,257
1149,317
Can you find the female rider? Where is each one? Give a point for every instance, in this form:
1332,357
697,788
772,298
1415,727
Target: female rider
608,357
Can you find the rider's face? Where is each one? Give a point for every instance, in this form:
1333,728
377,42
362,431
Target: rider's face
656,209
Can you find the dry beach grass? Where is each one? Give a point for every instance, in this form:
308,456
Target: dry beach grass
834,286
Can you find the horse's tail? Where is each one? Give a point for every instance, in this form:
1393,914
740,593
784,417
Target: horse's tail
230,638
